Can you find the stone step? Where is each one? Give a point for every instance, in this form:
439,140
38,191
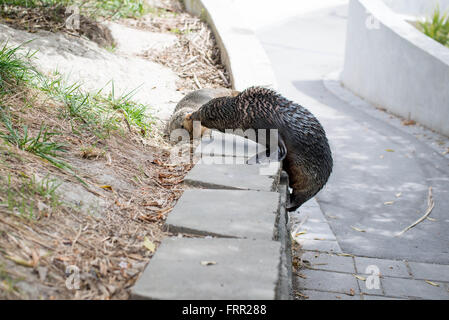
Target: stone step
226,213
203,268
261,177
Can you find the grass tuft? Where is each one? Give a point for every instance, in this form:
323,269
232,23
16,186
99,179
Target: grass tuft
15,66
436,27
40,145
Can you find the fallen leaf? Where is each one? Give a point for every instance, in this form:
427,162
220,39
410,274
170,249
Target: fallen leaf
360,277
149,244
302,295
408,122
388,202
432,283
106,187
351,292
208,263
300,233
389,150
20,261
345,255
357,229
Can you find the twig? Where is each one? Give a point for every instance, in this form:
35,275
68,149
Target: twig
430,205
196,81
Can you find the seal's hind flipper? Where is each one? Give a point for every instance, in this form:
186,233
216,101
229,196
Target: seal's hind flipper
295,201
282,149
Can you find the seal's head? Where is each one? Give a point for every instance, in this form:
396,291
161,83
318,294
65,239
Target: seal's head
219,114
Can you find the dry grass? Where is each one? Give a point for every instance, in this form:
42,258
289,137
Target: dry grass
41,236
130,186
195,57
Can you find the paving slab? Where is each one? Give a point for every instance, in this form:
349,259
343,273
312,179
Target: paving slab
429,271
315,231
329,262
328,281
319,245
239,269
390,268
312,211
368,290
228,213
410,288
234,176
324,295
371,297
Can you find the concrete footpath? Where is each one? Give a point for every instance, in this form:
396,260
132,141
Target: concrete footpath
381,176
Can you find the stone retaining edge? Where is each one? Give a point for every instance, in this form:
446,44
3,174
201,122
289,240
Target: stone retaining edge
249,67
241,51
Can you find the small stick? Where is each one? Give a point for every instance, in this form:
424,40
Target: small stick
196,81
430,205
223,77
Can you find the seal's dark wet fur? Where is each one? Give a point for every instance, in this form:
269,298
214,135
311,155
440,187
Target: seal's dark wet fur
309,159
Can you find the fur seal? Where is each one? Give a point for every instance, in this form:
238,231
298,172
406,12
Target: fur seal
302,141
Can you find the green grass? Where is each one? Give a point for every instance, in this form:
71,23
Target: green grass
40,145
113,9
24,194
436,27
15,66
98,113
87,112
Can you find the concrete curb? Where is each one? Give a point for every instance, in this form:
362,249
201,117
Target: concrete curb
332,82
241,51
242,248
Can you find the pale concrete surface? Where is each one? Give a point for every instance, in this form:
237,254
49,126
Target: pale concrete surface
389,268
240,269
132,41
388,49
328,262
229,213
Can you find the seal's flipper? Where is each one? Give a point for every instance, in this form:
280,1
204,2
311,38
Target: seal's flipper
282,149
295,201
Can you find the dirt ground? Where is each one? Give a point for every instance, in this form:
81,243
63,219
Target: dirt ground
90,232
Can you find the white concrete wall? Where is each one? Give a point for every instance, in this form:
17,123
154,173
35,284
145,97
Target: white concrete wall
417,7
391,64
